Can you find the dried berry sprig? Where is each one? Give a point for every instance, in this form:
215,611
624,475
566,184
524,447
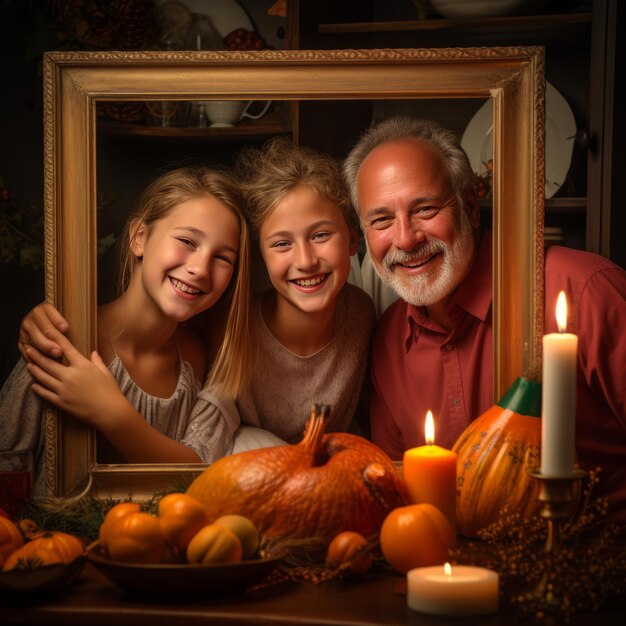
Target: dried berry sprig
579,575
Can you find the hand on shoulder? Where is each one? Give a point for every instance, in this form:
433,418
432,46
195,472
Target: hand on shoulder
42,328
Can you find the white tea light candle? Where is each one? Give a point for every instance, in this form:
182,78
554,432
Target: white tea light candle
453,590
558,406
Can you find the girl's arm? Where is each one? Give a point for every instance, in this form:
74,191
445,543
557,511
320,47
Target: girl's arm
138,442
86,389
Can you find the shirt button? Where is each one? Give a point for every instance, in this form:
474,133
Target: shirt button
455,401
449,347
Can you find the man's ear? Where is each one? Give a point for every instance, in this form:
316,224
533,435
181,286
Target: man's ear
137,236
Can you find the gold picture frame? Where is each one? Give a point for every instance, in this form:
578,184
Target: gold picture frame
74,82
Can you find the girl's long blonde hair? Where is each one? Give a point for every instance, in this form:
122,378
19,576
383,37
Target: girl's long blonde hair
231,369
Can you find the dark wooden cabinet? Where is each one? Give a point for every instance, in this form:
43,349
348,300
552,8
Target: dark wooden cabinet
582,52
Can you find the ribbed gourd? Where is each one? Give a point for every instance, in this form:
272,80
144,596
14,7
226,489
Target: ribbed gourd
495,453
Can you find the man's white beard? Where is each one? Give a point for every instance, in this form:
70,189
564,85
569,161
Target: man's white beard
432,286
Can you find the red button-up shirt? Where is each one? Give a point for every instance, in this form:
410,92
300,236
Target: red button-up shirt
596,296
417,365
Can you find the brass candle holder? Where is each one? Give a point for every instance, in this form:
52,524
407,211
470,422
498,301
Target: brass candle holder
559,497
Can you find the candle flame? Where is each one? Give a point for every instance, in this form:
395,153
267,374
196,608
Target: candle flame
447,569
429,429
561,312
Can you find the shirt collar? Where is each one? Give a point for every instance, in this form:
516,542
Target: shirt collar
472,295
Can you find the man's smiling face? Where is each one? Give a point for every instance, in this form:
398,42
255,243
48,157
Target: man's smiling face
420,240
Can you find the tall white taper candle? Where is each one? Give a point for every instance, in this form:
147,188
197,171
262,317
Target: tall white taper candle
558,398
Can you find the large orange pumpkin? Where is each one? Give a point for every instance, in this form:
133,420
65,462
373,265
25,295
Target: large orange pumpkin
495,453
318,488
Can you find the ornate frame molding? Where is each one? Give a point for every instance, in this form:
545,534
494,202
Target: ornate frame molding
75,81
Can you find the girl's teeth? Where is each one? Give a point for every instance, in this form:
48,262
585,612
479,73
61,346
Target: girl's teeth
309,282
186,288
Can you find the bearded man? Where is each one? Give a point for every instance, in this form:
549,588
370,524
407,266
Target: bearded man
414,190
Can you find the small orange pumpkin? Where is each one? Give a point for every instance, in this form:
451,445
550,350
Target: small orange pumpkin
494,454
48,548
10,538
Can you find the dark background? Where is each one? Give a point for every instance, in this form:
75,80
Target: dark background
27,29
30,27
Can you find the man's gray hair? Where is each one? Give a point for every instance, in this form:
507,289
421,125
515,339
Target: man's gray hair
458,168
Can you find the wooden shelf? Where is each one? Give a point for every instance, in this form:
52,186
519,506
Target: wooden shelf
509,23
566,205
248,129
552,205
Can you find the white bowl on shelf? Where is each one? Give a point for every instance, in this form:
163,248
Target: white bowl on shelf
460,9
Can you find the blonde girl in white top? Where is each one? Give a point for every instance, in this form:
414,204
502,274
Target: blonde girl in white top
186,250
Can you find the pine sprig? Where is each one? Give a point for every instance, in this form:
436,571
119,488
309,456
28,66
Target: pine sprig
82,517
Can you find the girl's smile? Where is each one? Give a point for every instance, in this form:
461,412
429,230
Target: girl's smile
183,289
188,257
310,283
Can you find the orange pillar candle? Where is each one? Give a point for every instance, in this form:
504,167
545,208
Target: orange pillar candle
430,474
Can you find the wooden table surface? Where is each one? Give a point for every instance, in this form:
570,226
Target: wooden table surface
94,601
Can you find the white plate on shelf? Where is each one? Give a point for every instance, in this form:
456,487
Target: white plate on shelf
225,15
477,139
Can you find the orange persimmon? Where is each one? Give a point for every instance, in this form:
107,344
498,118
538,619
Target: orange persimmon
349,547
417,535
245,530
114,515
136,538
214,544
181,517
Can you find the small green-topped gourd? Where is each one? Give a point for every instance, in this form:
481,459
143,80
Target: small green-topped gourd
494,455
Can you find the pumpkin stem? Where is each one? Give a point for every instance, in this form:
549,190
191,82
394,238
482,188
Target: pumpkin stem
314,429
523,397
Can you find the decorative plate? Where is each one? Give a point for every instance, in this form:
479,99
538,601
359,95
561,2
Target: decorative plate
184,578
560,127
44,578
225,15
